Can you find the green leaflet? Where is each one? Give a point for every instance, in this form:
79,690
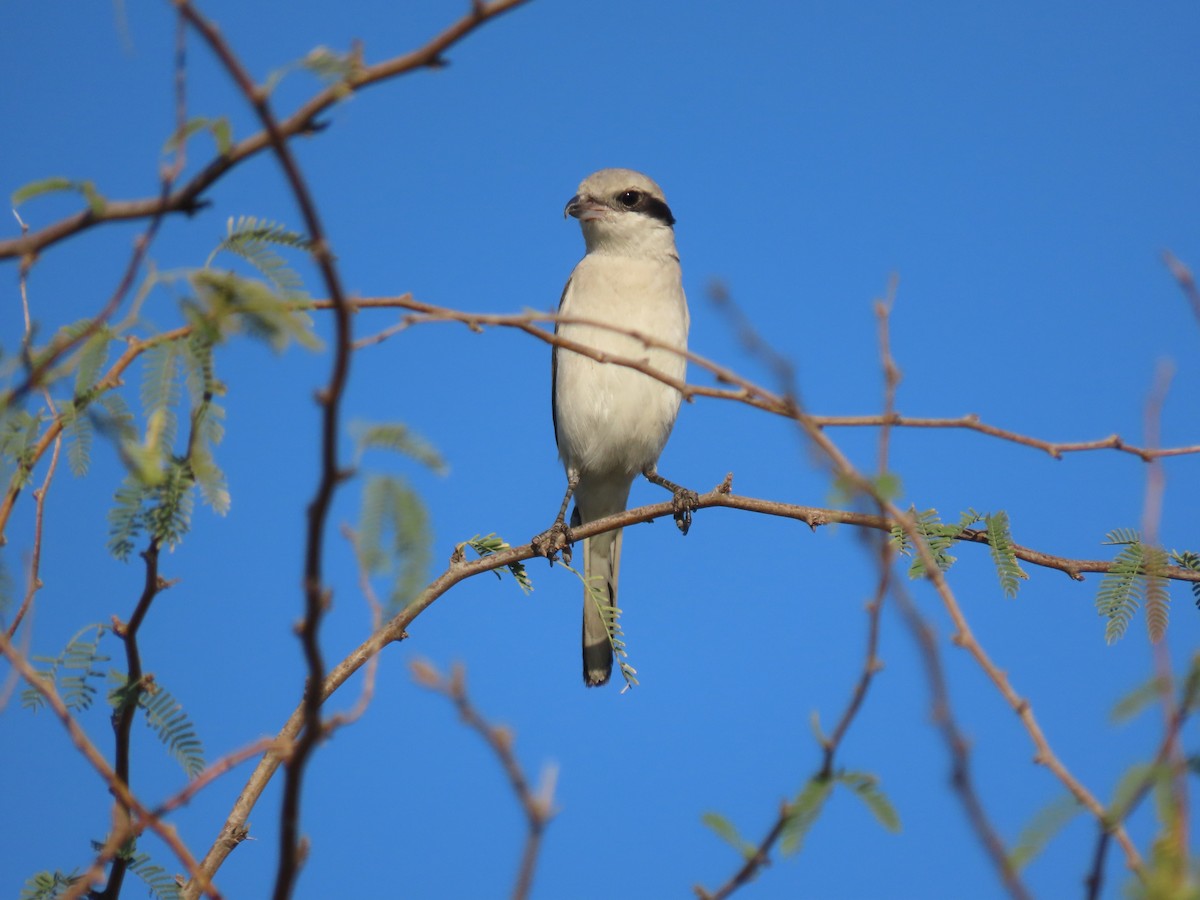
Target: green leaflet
1136,577
1004,555
1189,560
390,507
47,885
1042,829
490,544
253,240
399,438
87,189
161,390
165,716
866,787
79,434
802,814
726,831
219,128
71,672
1136,700
938,536
597,593
92,356
231,302
159,881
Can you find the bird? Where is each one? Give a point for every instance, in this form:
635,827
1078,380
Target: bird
611,422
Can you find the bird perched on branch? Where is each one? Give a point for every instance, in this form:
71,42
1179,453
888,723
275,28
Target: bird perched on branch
611,421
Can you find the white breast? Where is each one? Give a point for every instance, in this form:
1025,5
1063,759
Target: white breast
612,419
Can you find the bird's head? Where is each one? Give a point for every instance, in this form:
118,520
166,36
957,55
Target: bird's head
622,211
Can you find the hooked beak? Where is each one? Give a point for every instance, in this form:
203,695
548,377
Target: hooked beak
585,209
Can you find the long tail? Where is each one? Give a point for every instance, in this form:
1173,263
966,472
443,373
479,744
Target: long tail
601,563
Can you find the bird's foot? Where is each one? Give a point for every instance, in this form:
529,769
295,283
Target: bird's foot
684,502
554,541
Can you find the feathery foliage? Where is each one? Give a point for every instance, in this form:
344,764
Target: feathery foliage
490,544
937,534
231,302
161,883
79,434
164,715
1135,577
398,438
1042,829
1189,560
18,437
47,885
390,507
597,592
162,390
72,671
252,239
1158,601
1004,556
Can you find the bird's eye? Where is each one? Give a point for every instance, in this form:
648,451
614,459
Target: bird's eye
630,199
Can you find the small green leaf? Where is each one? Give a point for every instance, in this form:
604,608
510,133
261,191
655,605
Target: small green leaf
398,438
1134,780
37,188
803,813
1136,700
1042,829
866,787
218,128
729,834
93,197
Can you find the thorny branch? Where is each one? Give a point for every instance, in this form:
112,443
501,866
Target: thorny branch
962,781
538,805
34,581
119,788
187,198
747,392
316,594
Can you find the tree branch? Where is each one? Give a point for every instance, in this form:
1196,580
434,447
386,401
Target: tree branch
118,787
538,806
187,197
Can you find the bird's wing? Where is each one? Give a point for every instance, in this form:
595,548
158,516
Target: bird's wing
554,366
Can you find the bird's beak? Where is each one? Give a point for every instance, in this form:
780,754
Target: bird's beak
585,209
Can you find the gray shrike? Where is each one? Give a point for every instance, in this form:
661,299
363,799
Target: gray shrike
611,422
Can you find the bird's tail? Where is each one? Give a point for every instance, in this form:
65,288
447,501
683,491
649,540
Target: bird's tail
601,562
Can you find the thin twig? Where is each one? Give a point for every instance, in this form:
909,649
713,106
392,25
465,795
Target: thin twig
235,828
316,594
187,198
538,805
746,391
750,394
127,709
34,583
1187,283
957,744
119,788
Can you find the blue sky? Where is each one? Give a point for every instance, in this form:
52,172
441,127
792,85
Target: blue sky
1020,167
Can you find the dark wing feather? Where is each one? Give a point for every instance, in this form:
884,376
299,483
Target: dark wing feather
554,368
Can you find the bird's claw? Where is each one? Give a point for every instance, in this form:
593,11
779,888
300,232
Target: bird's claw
553,542
684,502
